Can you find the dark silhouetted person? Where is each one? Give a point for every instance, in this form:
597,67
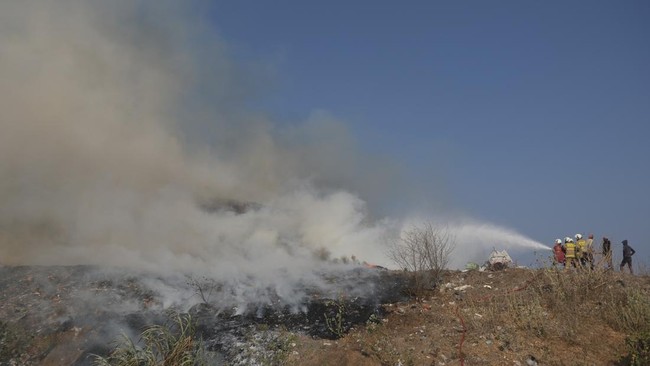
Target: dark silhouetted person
628,252
607,252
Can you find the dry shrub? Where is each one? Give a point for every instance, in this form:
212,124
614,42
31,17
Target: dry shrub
557,303
424,252
517,310
571,287
629,310
593,294
528,313
596,294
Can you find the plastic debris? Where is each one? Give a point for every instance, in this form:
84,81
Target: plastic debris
462,288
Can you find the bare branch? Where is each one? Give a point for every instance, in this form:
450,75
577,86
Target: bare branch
424,251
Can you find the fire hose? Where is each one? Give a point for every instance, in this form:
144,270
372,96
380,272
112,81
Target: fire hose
462,321
462,337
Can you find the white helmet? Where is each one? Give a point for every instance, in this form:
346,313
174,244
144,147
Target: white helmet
570,240
578,236
567,239
558,241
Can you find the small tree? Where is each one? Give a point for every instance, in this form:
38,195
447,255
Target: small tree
424,252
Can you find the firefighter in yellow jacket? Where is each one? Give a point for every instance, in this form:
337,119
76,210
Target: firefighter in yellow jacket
581,250
570,248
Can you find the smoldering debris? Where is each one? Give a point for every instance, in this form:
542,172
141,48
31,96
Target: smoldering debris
88,308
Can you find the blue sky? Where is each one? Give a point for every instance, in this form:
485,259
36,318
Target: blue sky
532,115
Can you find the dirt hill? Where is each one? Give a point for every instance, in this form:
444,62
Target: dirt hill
63,315
510,317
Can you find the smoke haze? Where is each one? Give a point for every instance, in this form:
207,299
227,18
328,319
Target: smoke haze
100,106
119,120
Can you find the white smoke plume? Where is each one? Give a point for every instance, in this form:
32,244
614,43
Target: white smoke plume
104,158
122,121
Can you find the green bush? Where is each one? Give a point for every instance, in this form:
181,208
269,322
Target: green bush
639,348
335,323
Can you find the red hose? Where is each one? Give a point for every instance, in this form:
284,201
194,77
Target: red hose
462,321
462,338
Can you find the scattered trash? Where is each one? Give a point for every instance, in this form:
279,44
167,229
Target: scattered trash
487,286
462,288
531,361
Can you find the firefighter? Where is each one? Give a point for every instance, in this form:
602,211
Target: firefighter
558,253
570,253
581,250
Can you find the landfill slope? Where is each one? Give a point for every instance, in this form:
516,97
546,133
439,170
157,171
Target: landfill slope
55,315
490,318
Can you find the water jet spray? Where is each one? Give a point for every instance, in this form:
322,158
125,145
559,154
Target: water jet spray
475,240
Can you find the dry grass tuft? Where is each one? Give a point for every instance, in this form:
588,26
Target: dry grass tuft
556,304
161,345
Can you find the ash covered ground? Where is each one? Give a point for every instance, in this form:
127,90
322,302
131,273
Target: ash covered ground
62,315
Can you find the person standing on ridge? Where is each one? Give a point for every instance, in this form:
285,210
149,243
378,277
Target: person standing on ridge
558,253
590,251
607,252
581,250
570,250
628,252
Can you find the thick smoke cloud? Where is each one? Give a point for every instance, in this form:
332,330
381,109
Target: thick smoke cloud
100,108
125,141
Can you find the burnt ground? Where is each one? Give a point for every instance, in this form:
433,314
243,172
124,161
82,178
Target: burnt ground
55,315
63,315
